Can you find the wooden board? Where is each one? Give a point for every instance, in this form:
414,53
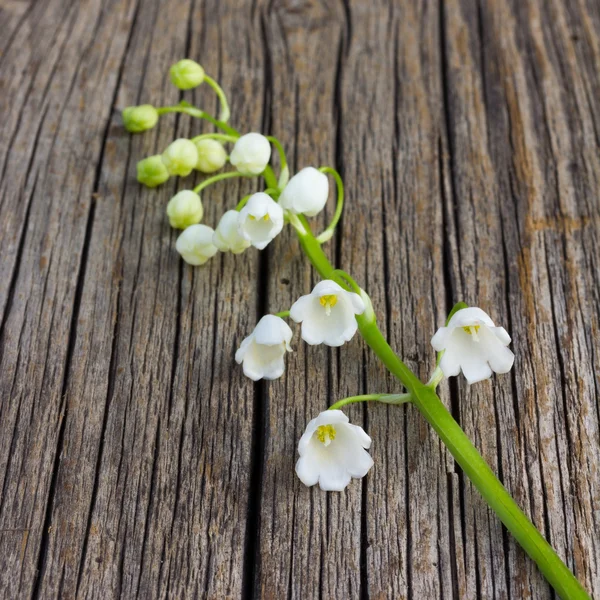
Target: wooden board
135,458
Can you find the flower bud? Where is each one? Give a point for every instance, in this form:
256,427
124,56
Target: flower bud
195,244
185,209
211,155
227,237
151,171
180,157
186,74
251,154
139,118
306,193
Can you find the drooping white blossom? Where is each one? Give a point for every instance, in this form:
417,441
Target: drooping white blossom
262,352
328,314
472,343
227,237
260,220
332,452
251,154
195,244
306,193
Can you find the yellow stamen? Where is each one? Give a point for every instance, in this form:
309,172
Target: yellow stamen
328,301
266,218
471,329
252,217
326,434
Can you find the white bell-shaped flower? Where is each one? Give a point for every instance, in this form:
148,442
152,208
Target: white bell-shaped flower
472,343
260,220
195,244
251,154
332,451
263,350
227,237
306,193
328,314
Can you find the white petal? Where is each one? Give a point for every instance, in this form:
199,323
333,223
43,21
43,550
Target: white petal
306,192
440,339
331,417
302,307
475,368
363,438
358,305
333,476
272,330
241,352
450,363
499,357
361,462
326,288
501,334
307,470
470,316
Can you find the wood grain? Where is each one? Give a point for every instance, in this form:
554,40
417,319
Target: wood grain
135,459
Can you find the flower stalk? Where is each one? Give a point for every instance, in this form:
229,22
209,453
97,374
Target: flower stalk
325,313
460,446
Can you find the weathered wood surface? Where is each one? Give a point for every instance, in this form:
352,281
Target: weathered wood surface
135,459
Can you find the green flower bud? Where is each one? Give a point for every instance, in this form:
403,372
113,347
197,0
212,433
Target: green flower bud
139,118
211,155
186,74
152,171
180,157
185,209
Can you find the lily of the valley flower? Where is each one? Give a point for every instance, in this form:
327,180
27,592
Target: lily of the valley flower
306,193
186,74
227,237
472,343
328,314
185,209
260,220
180,157
211,155
251,154
263,350
332,451
195,244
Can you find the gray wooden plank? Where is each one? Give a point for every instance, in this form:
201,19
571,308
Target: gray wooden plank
309,542
37,323
136,460
171,433
523,155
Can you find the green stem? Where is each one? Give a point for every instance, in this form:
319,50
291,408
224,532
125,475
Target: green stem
270,178
199,114
215,136
459,445
216,178
328,233
283,313
284,173
242,202
385,398
225,113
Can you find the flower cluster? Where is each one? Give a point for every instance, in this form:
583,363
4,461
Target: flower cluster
332,450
